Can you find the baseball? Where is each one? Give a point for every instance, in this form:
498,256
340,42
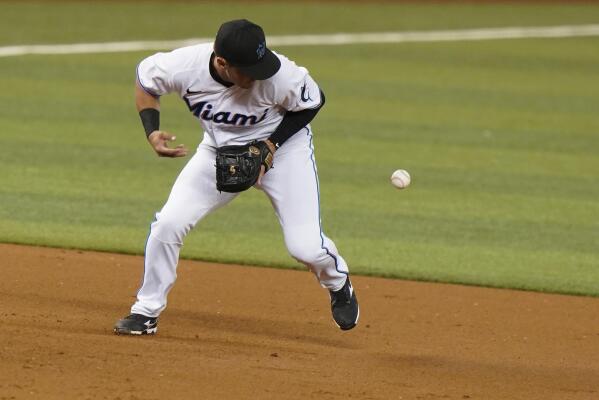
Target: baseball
400,179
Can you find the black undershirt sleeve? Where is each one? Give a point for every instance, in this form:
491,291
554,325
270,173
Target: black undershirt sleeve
293,122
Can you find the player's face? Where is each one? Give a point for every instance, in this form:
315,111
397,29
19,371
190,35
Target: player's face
232,74
237,77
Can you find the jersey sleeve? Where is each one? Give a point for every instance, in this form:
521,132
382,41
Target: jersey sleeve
156,74
295,89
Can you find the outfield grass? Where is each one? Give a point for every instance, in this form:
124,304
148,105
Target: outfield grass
23,22
501,138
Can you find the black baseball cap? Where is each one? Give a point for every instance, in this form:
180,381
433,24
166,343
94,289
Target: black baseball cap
243,45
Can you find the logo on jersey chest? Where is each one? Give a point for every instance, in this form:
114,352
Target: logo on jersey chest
203,110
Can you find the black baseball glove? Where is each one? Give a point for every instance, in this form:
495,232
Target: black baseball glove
238,167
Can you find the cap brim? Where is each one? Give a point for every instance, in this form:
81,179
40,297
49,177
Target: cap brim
265,68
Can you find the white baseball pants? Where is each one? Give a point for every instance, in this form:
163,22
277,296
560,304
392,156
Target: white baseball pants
292,187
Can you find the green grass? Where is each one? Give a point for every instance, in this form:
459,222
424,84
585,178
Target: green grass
501,138
69,21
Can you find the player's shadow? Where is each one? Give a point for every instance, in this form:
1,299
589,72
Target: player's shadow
95,316
275,330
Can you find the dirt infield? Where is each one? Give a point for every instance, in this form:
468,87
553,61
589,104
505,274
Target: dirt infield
235,332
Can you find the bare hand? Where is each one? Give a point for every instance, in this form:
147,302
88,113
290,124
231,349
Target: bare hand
159,141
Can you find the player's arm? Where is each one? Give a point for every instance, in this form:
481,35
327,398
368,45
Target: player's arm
148,107
293,122
299,94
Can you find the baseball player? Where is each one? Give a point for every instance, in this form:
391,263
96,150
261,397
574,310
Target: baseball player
244,95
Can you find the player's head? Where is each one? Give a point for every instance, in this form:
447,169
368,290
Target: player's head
241,44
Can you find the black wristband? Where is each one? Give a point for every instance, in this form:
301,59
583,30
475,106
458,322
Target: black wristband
150,118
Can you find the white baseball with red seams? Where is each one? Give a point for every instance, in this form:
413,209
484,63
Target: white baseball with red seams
401,179
235,116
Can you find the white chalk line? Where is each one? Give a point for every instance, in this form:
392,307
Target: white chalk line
320,40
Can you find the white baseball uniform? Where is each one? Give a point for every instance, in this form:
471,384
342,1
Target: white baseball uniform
231,115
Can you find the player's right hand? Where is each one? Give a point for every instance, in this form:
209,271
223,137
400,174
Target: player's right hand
159,141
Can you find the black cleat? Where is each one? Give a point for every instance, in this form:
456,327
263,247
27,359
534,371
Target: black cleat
136,324
344,306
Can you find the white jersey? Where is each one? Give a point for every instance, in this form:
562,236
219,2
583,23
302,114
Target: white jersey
229,115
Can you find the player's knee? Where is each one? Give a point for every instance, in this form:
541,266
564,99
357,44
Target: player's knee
306,252
171,229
